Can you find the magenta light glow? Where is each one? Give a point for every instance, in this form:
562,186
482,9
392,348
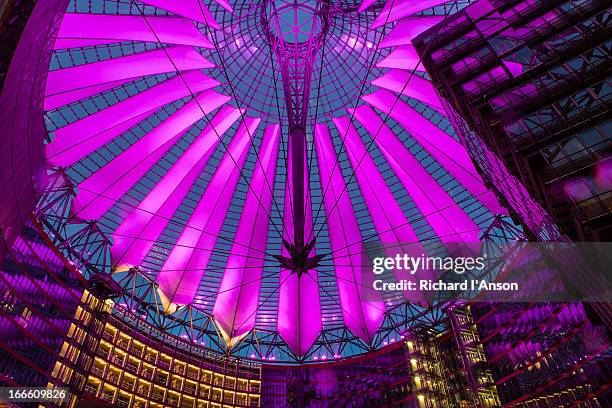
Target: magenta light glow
209,221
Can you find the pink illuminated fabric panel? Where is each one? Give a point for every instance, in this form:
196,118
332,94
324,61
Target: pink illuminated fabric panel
100,191
180,276
66,43
64,98
225,4
179,57
446,150
236,305
443,214
407,29
387,216
411,85
362,317
396,9
88,27
403,57
365,4
299,309
78,139
193,9
64,151
142,227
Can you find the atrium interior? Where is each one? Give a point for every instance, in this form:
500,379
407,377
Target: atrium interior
194,191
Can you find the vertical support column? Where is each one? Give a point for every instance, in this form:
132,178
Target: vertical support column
296,31
297,138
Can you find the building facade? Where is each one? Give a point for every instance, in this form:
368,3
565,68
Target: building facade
527,87
59,330
532,81
14,15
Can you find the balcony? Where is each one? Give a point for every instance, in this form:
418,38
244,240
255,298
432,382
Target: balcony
97,371
107,396
91,389
122,403
157,396
127,385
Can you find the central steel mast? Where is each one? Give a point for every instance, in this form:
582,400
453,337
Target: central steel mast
296,32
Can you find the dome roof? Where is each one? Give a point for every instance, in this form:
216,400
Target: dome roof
172,123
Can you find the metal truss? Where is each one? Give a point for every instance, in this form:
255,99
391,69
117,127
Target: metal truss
87,248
